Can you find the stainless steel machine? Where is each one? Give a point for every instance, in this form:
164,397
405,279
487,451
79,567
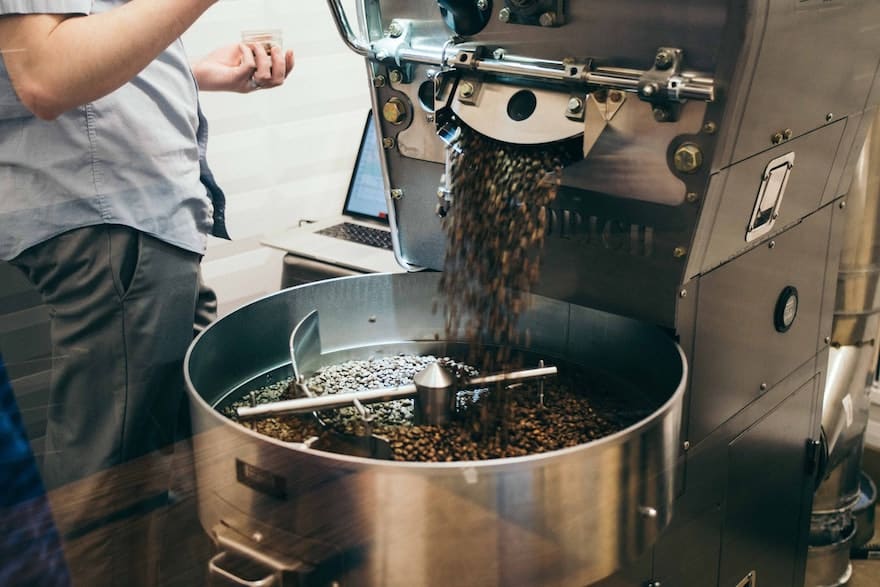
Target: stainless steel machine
709,249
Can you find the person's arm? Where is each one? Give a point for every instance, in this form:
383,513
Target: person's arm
242,68
59,62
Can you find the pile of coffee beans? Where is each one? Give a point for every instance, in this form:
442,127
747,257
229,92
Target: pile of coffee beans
538,418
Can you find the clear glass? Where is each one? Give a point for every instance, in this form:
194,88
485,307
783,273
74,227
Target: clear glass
267,37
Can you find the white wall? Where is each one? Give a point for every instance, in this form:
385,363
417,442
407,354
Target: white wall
284,154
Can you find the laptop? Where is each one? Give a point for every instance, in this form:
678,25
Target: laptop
359,238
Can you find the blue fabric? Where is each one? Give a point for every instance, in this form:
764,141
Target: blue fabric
30,548
135,157
19,479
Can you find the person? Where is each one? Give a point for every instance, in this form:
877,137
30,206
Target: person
30,548
106,202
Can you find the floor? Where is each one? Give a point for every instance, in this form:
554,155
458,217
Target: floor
155,538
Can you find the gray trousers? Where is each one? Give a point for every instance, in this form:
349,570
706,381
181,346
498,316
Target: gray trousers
122,306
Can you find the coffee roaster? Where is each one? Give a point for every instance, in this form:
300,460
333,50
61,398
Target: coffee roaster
693,252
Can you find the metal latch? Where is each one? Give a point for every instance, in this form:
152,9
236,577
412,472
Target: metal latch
770,193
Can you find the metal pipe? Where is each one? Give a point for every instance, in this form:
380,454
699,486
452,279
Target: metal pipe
351,40
341,400
855,330
512,65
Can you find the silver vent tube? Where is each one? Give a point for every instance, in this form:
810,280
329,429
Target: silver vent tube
853,356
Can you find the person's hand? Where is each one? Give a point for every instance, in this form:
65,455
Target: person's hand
243,68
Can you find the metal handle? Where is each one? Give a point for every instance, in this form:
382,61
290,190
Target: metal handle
230,541
349,37
340,400
214,569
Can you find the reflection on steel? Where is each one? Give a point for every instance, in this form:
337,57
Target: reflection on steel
377,523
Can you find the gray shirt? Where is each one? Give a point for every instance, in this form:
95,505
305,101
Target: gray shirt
134,157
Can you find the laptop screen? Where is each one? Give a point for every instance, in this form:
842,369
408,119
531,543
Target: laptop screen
366,192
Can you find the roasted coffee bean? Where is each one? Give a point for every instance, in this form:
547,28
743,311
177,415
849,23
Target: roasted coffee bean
494,235
570,415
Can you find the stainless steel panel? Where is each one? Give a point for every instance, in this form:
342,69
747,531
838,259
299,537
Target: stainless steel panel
814,156
786,91
759,525
738,352
700,559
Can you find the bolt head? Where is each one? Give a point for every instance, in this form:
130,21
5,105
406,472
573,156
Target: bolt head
395,29
649,90
394,111
663,60
482,5
662,114
379,81
396,193
498,54
547,19
787,134
679,252
387,143
615,96
709,128
466,90
504,15
691,197
395,76
776,138
575,105
688,158
829,117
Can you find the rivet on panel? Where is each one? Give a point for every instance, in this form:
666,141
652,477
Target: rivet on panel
686,445
842,205
683,293
679,252
772,244
764,387
691,197
709,128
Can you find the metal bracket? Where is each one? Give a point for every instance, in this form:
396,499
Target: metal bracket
600,109
662,85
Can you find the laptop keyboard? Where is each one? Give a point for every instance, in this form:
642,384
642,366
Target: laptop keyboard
358,233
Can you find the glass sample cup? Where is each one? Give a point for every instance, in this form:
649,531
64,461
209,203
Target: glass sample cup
268,38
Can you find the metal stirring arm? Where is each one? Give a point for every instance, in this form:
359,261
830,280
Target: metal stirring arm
428,384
